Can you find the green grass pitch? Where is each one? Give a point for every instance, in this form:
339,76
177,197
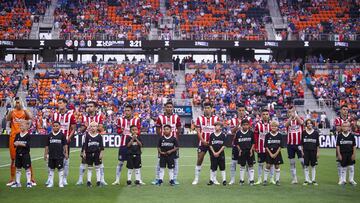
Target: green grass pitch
327,191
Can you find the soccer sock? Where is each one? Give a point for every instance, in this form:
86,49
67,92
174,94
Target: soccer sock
272,171
277,174
81,172
339,168
157,169
12,170
171,174
223,175
176,168
343,174
66,168
292,168
18,175
260,170
313,173
98,173
306,172
129,174
89,173
61,177
28,175
161,174
266,173
233,170
251,173
118,170
242,173
197,172
302,162
51,176
137,174
102,174
351,173
212,175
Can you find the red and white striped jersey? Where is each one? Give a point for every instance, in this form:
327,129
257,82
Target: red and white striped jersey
236,122
339,121
207,126
261,129
173,121
87,119
65,120
124,128
294,132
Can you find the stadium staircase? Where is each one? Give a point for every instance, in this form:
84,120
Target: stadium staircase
47,23
275,14
34,33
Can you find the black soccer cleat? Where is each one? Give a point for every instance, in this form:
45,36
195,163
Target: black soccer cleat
159,182
265,183
89,184
137,183
172,182
128,183
251,183
224,183
210,182
98,184
242,182
277,183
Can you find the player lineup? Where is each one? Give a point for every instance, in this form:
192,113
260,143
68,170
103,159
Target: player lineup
253,142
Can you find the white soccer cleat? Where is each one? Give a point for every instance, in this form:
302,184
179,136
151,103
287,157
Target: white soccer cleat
116,183
29,185
195,182
142,183
231,182
33,183
10,183
50,185
272,181
61,185
352,182
103,183
15,185
216,182
294,181
79,182
259,182
65,182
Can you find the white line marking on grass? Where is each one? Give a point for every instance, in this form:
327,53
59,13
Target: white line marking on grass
37,158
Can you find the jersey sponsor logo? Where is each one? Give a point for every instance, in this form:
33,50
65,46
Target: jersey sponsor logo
346,142
55,141
274,141
93,143
245,139
217,142
167,144
309,140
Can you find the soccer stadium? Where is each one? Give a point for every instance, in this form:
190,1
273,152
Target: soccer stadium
179,100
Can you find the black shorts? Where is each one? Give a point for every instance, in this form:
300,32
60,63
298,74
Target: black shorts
346,159
216,162
245,158
56,163
123,151
292,150
261,157
167,161
133,161
310,157
276,161
23,161
203,148
93,158
235,153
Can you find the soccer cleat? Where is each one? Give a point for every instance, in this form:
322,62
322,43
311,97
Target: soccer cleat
241,182
142,183
258,182
176,182
33,183
98,184
61,185
277,183
155,182
216,182
10,183
29,185
47,182
50,185
89,184
353,183
224,183
103,183
65,182
172,182
294,181
272,181
231,182
128,183
137,183
159,182
315,183
80,182
265,183
15,185
340,182
116,183
195,182
251,183
306,183
210,183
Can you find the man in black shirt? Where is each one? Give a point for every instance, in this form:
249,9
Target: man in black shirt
273,144
93,152
55,152
167,148
217,154
134,144
245,143
310,150
346,151
22,158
